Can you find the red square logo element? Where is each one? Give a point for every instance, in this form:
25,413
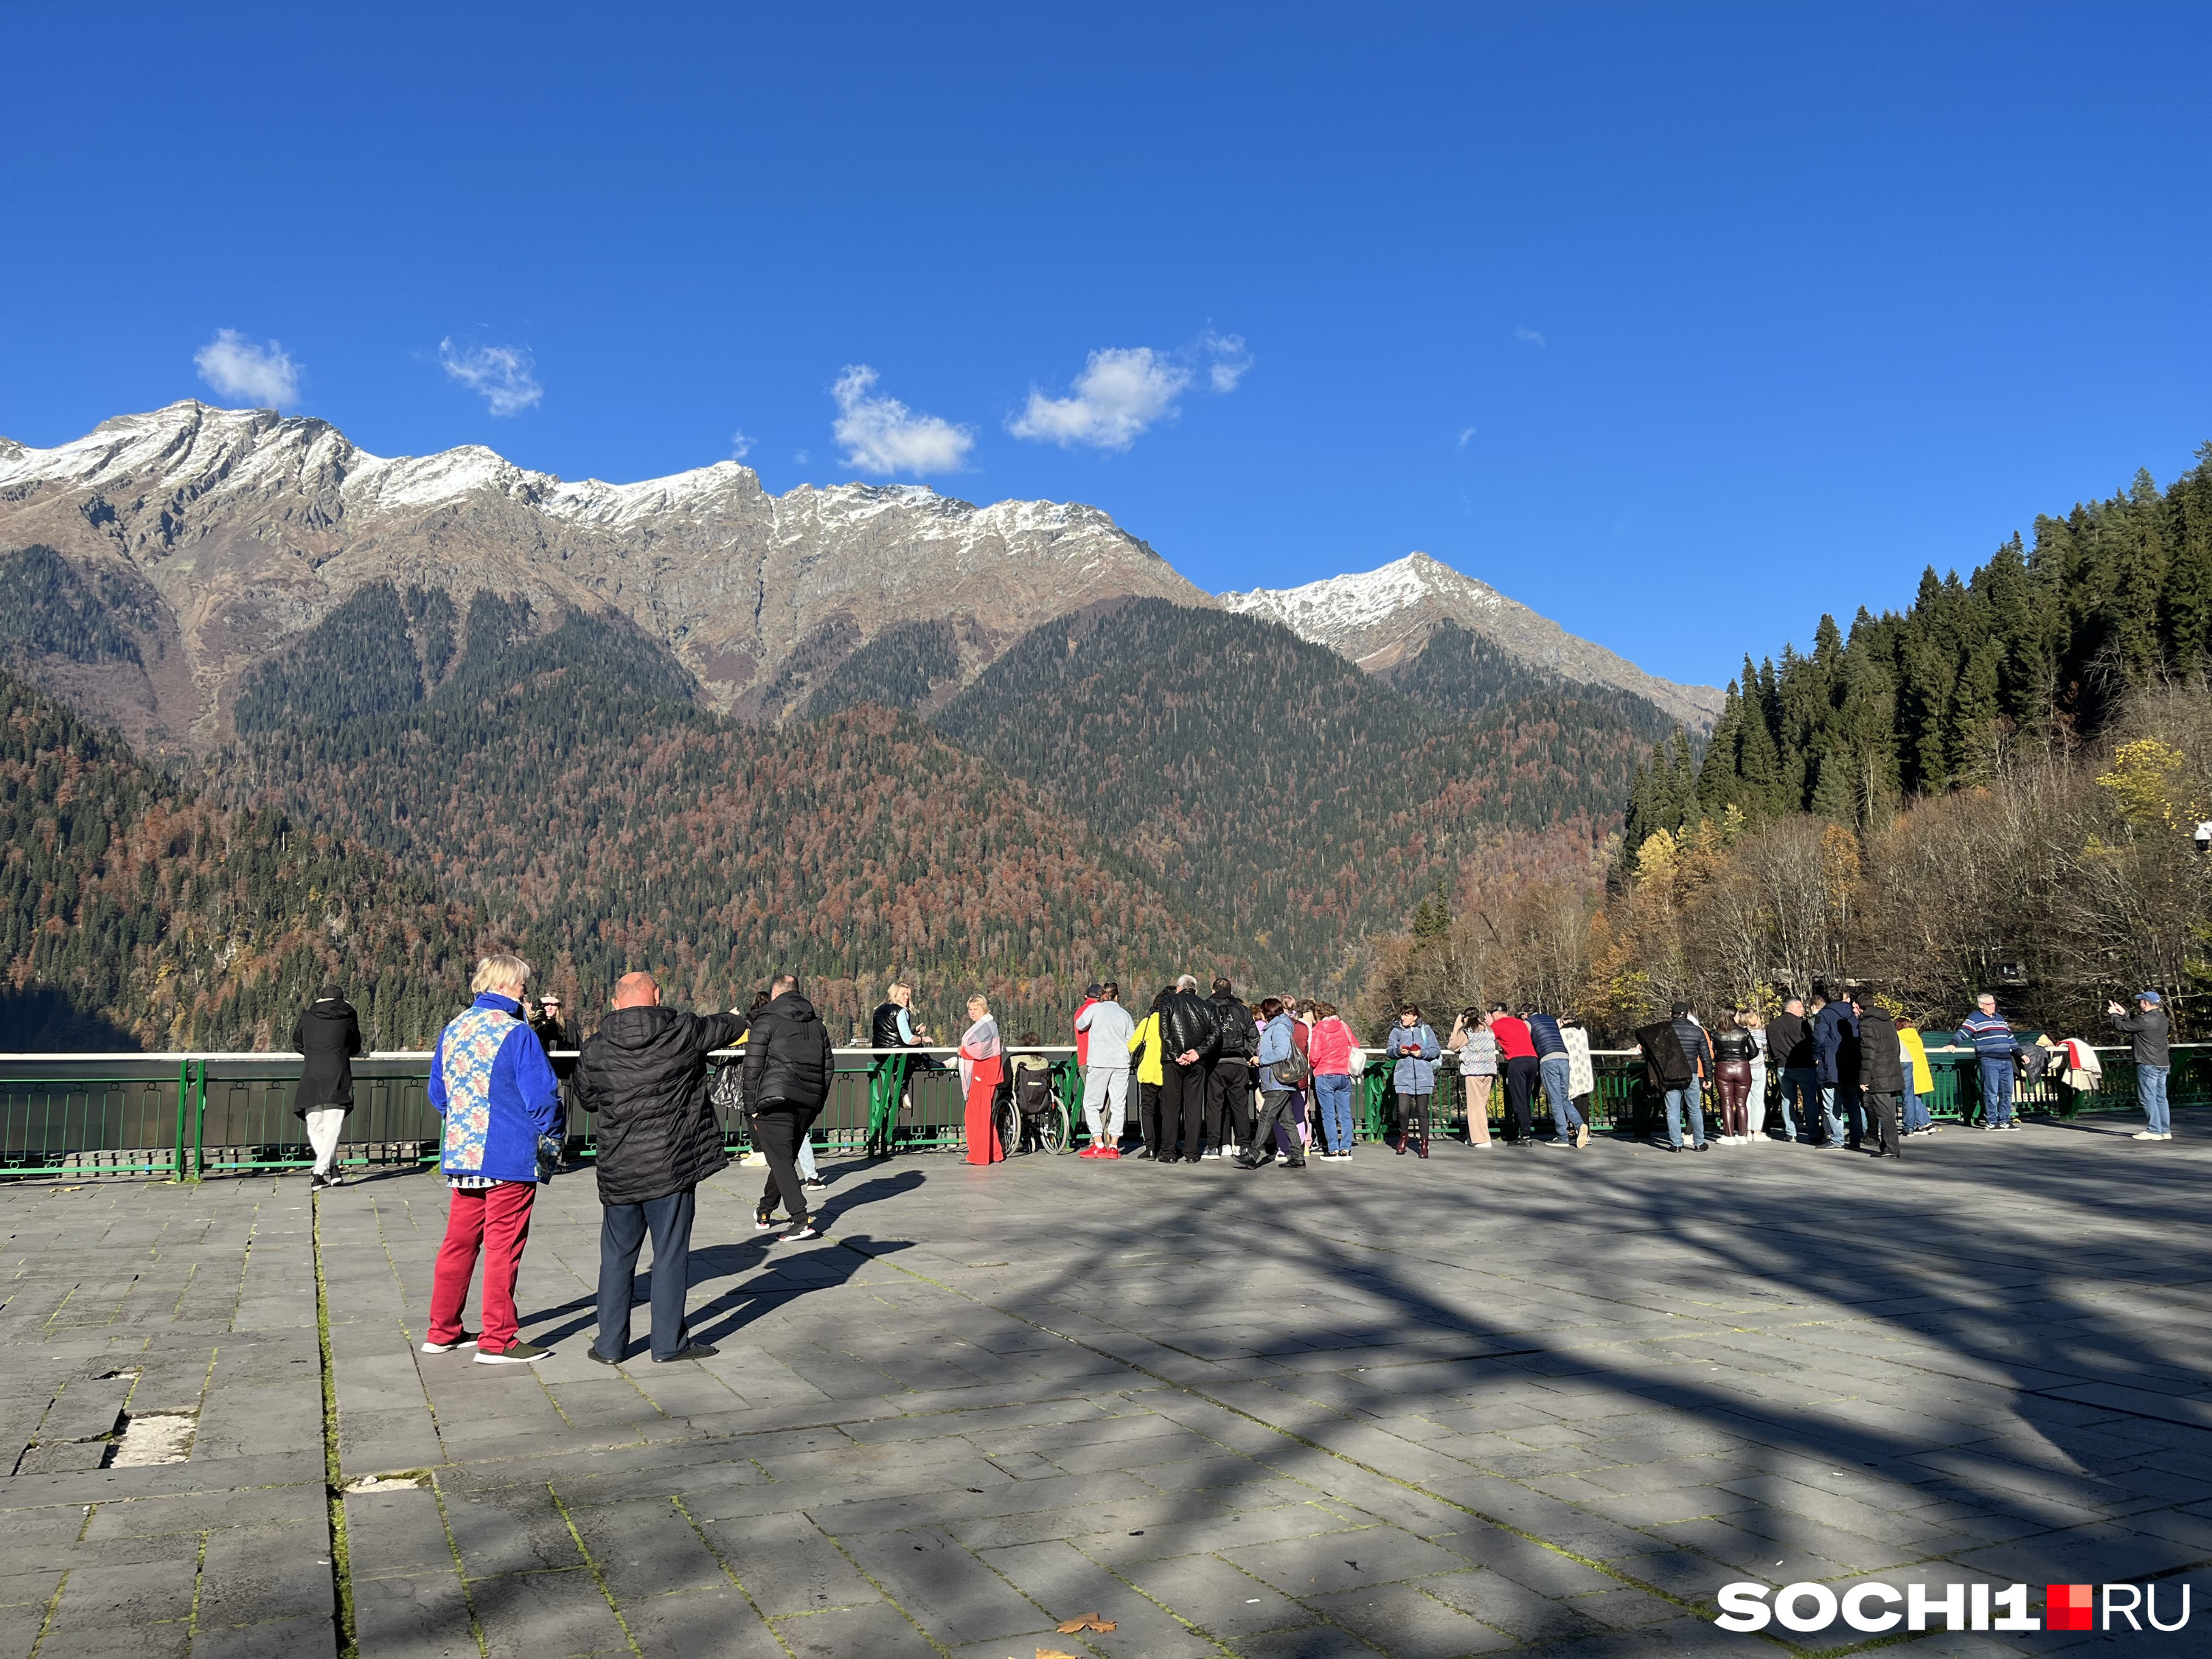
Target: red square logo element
2066,1607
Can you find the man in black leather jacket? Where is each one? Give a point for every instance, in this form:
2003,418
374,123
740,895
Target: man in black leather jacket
1190,1038
1228,1079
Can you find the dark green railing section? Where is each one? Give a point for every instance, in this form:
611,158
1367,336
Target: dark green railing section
181,1116
1622,1101
178,1116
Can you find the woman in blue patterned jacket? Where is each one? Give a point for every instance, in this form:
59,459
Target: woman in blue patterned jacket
491,1082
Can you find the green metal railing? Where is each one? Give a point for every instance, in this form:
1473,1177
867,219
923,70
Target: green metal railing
181,1116
1622,1101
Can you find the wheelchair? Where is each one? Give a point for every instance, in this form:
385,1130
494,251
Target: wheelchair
1030,1115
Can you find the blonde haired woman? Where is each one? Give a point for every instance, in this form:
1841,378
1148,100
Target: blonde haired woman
982,1067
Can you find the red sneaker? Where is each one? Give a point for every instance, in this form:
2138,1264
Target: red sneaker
1108,1152
1088,1151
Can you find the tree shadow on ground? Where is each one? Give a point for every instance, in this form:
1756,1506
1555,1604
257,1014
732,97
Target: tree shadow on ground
1976,1368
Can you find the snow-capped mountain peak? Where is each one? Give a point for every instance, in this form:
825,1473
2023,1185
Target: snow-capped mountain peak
1382,617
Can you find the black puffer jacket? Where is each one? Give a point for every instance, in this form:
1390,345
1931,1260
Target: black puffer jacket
1240,1035
1882,1056
643,1074
329,1036
787,1059
1186,1022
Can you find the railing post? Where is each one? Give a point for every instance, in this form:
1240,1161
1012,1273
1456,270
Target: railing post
886,1083
184,1105
199,1121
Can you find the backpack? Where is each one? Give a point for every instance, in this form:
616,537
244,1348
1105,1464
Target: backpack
1240,1038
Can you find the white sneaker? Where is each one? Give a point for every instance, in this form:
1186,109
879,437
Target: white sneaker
2168,1136
468,1340
2145,1134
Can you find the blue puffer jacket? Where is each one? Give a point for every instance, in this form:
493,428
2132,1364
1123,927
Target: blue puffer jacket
493,1084
1275,1046
1831,1027
1415,1073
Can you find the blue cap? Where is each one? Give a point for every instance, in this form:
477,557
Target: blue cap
2151,997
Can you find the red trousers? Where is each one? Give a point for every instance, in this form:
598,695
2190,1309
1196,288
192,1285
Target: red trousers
497,1220
982,1125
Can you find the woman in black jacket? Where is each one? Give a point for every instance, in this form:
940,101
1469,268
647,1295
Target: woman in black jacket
328,1036
1733,1051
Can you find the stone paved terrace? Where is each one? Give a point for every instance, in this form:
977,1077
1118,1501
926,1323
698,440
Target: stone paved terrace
1509,1401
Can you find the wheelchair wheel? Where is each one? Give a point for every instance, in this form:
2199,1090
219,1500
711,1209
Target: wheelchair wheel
1054,1133
1008,1118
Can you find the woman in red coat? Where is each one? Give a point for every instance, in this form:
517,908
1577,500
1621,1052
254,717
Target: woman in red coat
982,1065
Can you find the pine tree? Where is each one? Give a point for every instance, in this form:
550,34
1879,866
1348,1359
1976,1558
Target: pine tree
1972,720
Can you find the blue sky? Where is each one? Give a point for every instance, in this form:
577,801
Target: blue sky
1681,323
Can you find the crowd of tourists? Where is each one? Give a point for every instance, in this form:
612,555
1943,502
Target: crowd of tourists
1210,1077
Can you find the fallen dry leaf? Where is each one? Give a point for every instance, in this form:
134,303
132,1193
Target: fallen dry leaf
1088,1622
1053,1653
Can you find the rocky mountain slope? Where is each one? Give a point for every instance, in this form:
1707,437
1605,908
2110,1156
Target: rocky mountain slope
203,539
1382,618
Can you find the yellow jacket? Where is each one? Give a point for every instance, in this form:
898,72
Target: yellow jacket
1145,1042
1923,1080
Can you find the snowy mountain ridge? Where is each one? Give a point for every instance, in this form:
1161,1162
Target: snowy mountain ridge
1380,618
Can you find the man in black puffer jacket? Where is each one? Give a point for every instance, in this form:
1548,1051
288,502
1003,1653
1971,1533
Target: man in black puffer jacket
1189,1039
643,1077
788,1066
1881,1073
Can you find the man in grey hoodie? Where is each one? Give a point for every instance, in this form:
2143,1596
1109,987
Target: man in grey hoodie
1106,1070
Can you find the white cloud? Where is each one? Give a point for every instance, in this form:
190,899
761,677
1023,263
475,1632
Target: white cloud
800,457
740,446
881,435
1124,389
237,368
1465,433
504,374
1118,394
1230,359
1528,336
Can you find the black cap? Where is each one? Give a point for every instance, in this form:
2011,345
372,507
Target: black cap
330,994
1682,1008
1093,988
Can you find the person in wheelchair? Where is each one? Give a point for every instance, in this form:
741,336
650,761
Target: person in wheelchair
1028,1082
1032,1116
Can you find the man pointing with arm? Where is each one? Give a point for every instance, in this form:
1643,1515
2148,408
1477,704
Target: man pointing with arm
644,1076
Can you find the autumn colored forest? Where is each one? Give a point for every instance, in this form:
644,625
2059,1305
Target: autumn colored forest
1994,788
1993,785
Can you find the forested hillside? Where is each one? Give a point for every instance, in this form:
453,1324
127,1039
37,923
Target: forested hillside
1993,789
2036,647
1270,789
602,829
137,915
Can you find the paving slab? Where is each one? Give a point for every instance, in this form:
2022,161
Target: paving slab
1473,1405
